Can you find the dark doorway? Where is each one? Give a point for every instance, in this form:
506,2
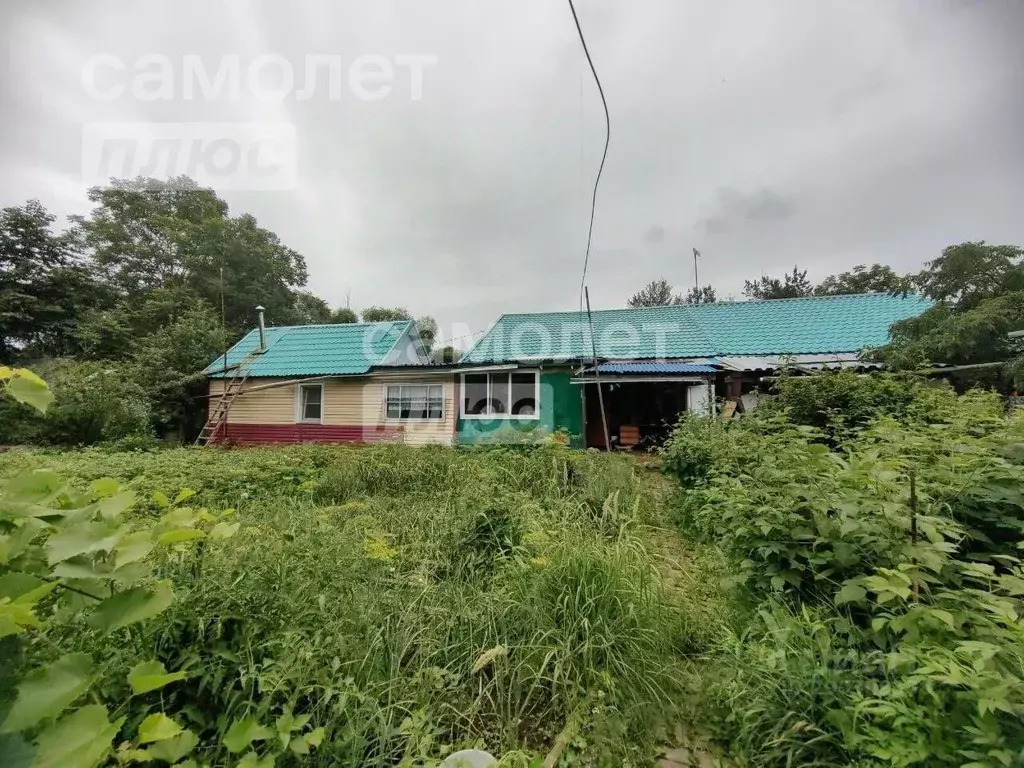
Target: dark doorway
648,410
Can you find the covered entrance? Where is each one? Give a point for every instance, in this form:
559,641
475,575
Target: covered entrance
642,401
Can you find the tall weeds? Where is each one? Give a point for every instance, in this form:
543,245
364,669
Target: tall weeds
412,600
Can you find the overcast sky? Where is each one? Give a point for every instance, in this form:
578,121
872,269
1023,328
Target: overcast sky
765,134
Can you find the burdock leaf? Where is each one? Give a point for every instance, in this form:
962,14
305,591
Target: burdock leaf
46,692
151,675
132,605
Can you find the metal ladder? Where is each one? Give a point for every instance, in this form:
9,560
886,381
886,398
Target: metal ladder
232,388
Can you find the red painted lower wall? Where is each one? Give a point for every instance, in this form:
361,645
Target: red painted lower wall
261,434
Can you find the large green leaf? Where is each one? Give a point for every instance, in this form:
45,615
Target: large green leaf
151,675
17,614
82,539
157,727
850,593
82,568
184,495
178,535
15,584
171,750
224,530
133,547
24,535
46,692
252,760
244,732
104,486
80,740
28,388
40,486
132,605
302,744
112,506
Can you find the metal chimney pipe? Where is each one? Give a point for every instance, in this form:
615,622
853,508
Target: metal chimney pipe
263,330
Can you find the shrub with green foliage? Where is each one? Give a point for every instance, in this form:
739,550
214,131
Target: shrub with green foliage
886,562
841,399
93,402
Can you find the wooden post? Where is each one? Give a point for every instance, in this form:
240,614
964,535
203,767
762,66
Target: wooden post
597,376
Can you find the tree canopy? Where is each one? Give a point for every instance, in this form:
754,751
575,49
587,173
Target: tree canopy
878,278
657,293
143,235
792,285
705,294
42,285
385,314
978,291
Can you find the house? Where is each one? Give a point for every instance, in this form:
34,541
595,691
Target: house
654,362
617,377
350,383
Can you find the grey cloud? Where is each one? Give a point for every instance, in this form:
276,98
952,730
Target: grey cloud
655,235
734,210
819,132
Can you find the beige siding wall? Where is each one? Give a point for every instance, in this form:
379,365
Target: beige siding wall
358,401
414,432
266,406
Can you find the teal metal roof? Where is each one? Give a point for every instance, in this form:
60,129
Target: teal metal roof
316,350
819,324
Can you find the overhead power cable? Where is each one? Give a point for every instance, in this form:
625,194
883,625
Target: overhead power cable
604,156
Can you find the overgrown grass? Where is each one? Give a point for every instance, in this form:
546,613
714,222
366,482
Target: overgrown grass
413,600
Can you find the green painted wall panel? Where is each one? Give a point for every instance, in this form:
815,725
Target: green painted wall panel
561,407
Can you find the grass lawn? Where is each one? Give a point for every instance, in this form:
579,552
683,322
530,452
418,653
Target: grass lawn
416,600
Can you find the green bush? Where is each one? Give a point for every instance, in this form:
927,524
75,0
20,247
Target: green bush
94,402
841,399
886,559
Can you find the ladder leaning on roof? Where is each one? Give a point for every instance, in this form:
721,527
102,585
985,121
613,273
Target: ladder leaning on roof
232,387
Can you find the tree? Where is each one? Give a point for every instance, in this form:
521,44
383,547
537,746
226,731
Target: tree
428,331
43,287
978,291
791,286
310,309
168,364
344,315
702,295
657,293
446,355
385,315
144,235
968,273
110,332
878,278
93,401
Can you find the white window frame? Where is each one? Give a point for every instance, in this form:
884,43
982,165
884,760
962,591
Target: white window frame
399,384
491,375
298,403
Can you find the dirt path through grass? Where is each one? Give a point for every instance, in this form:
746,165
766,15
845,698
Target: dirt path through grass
690,575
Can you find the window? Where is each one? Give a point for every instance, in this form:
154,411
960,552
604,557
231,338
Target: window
310,403
507,394
474,394
415,401
522,394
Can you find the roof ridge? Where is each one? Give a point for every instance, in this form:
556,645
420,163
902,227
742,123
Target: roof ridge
721,303
333,325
